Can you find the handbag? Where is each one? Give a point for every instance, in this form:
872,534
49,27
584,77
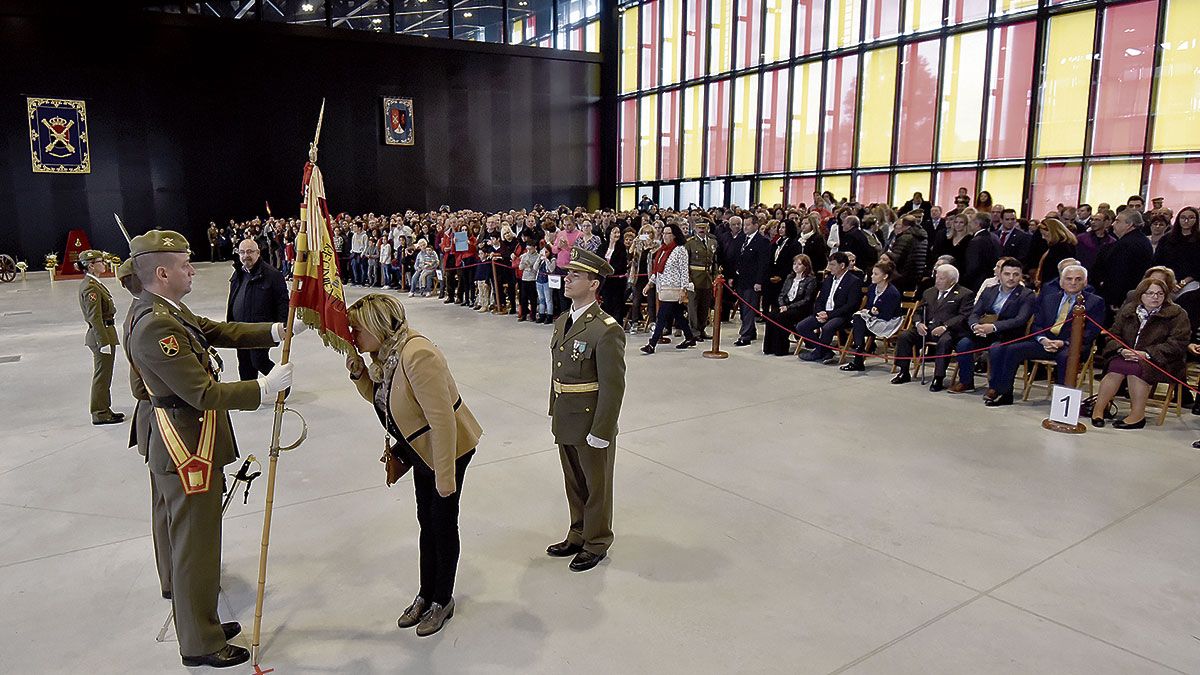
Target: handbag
393,465
1088,405
670,294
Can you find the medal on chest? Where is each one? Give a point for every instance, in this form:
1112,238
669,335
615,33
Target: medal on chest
578,349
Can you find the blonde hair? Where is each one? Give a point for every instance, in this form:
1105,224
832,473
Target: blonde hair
1057,231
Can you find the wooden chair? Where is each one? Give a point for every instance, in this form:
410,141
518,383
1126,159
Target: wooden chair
953,375
1171,398
909,305
1049,368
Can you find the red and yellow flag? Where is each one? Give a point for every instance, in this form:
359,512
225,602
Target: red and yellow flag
320,298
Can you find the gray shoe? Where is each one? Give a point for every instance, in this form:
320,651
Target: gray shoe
412,615
435,618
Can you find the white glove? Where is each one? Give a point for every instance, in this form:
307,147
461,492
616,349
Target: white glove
277,380
106,349
596,442
298,327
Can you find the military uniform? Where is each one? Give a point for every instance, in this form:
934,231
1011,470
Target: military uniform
190,438
588,359
702,261
100,313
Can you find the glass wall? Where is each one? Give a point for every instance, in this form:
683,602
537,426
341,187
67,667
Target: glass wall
1037,101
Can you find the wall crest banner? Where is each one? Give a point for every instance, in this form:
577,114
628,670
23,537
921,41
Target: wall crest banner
398,121
58,136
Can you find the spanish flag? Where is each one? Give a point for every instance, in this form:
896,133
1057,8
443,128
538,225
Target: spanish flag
320,298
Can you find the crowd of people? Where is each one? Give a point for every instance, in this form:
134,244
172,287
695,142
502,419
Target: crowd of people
972,286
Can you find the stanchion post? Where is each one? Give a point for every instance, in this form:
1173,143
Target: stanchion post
1073,356
718,292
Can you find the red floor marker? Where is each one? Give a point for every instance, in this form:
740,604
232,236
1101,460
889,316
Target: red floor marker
259,671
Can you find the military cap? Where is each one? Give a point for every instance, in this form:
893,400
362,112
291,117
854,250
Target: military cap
125,269
586,261
159,241
92,255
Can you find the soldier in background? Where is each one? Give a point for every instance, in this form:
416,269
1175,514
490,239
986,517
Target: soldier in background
100,313
588,357
702,260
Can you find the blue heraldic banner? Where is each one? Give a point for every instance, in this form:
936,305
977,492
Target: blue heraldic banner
398,121
58,136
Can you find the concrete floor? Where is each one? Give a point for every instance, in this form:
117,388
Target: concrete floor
772,516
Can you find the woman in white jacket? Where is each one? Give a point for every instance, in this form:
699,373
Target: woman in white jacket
671,281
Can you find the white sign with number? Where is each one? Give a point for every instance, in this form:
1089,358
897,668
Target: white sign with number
1064,405
555,280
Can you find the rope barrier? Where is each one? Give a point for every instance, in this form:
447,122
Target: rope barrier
1154,365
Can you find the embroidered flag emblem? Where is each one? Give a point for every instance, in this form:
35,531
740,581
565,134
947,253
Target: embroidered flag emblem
169,345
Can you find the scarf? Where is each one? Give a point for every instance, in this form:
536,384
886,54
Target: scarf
660,258
384,362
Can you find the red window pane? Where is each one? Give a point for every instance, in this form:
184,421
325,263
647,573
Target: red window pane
948,183
1011,84
577,39
800,190
841,99
749,34
650,65
695,38
872,188
1054,184
1126,69
629,139
774,122
883,18
718,128
962,11
810,26
1177,182
918,102
669,137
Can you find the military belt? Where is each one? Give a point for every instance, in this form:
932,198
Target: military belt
580,388
698,268
171,402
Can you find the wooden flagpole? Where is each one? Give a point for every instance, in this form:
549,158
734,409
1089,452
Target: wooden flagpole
301,265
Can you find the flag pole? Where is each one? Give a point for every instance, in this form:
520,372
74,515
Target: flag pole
297,273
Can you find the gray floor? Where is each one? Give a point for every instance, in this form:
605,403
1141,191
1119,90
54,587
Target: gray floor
772,517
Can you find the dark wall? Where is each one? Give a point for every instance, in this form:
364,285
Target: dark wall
195,120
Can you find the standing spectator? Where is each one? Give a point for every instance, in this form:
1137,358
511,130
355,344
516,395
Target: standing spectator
214,239
752,260
953,239
371,255
812,242
544,267
852,239
982,251
614,288
506,262
1180,251
840,296
257,293
1014,242
670,280
919,205
1093,238
424,269
527,265
562,244
908,252
1119,267
702,262
785,248
358,244
385,262
1060,245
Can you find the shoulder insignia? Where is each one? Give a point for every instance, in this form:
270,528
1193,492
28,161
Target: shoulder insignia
169,345
610,321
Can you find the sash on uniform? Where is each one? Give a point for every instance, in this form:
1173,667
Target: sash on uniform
194,469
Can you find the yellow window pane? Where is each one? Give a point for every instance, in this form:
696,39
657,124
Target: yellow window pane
1177,105
1006,185
770,191
647,134
906,183
672,35
1063,115
693,131
806,117
591,37
778,23
838,185
745,122
962,97
1010,6
721,29
627,199
922,15
518,32
1112,182
878,107
844,20
629,50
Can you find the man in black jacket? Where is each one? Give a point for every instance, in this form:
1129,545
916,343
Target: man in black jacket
753,256
852,240
1119,266
941,319
982,252
909,250
840,297
257,292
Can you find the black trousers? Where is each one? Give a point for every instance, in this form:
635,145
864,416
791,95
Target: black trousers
612,299
561,303
776,339
252,362
529,299
747,306
668,313
438,519
909,343
507,288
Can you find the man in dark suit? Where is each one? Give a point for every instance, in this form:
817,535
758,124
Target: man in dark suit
1119,266
982,252
753,259
1014,242
943,313
852,240
840,297
1053,313
936,222
1000,314
257,293
918,204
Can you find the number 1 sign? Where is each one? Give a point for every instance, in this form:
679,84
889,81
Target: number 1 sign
1064,410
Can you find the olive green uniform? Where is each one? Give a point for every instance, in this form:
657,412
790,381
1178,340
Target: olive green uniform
169,348
702,260
100,312
588,362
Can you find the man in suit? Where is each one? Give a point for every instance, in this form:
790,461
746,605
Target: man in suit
840,297
1000,314
852,240
257,292
1053,313
753,260
982,251
1014,242
936,222
920,206
943,313
588,355
191,437
1120,265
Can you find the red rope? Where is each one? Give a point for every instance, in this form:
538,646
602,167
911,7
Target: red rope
1140,360
880,356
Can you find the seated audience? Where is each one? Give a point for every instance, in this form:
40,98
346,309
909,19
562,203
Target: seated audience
795,302
1000,315
882,315
840,296
941,319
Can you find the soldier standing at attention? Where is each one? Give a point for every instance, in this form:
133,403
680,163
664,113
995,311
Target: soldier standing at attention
191,438
588,358
100,312
702,259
